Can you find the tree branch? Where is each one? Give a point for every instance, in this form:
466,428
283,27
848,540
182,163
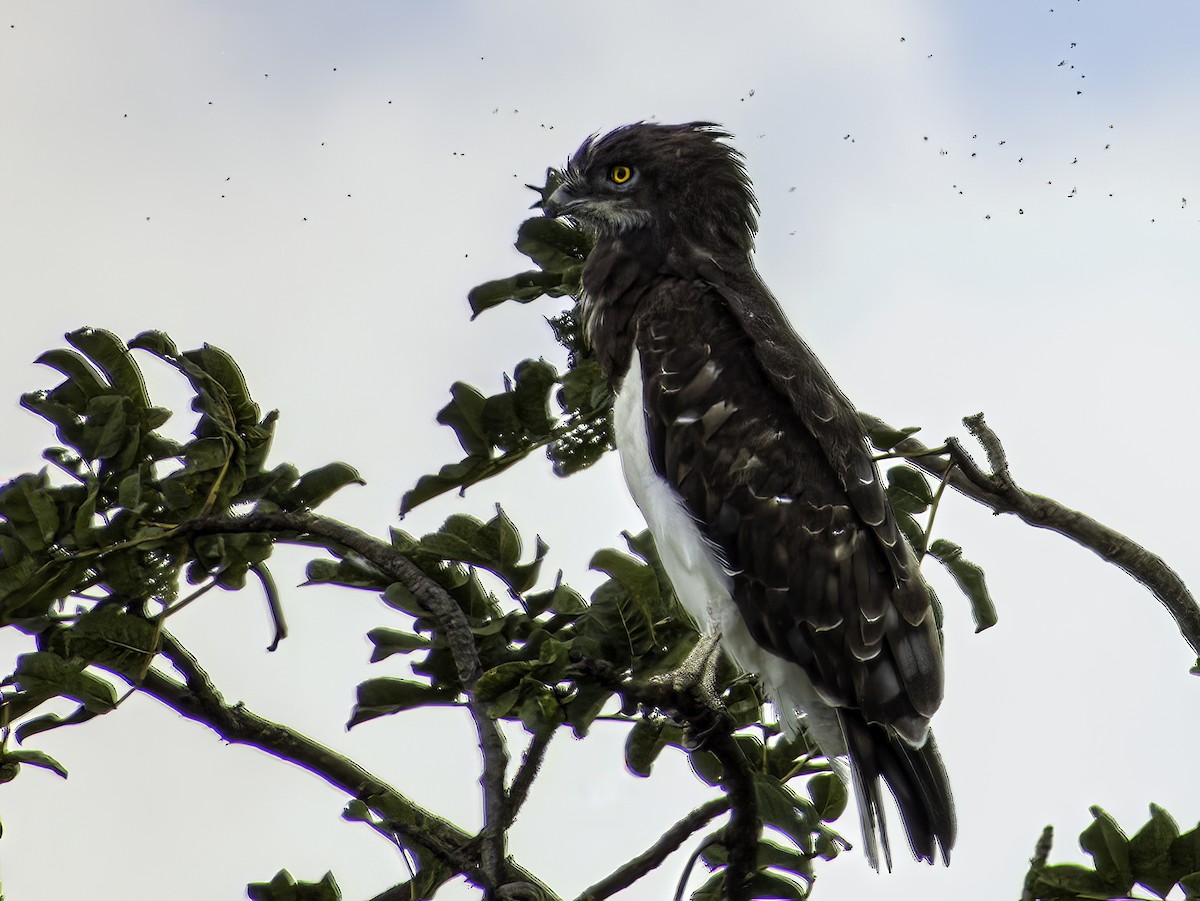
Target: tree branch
998,491
199,701
629,873
452,623
742,832
531,763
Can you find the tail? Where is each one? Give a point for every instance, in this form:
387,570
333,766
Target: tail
917,780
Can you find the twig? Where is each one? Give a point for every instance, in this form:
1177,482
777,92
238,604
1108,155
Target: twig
198,700
1041,853
452,623
681,884
1044,513
997,458
530,764
628,873
933,509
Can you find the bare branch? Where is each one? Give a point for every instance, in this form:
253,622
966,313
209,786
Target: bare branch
451,622
531,763
198,700
628,873
999,492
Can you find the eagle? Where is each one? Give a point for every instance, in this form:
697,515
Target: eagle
753,471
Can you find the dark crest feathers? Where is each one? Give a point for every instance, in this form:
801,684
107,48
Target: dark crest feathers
696,182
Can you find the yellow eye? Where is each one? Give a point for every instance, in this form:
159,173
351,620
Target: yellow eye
620,174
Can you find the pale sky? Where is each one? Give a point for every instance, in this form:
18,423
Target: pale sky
985,206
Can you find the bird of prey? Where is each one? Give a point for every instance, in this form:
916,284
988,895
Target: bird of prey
752,469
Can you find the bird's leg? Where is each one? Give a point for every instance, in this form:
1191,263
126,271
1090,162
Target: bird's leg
697,676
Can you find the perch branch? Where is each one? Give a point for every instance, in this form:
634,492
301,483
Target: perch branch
998,491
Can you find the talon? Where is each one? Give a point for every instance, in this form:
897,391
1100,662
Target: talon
697,676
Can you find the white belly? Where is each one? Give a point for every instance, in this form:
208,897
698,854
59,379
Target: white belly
701,582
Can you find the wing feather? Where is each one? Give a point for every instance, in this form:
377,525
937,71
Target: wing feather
770,459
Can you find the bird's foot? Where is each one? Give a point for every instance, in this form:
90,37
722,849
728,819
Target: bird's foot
695,681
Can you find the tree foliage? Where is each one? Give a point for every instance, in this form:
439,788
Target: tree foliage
124,527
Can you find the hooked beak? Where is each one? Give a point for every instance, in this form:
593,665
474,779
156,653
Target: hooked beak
560,202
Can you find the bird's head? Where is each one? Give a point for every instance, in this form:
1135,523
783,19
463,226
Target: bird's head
681,182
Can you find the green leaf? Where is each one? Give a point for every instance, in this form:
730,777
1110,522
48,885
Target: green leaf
829,796
912,530
109,353
494,546
353,572
539,710
317,486
464,414
108,636
760,885
50,675
642,746
34,758
110,426
582,709
970,580
584,387
155,342
707,766
562,600
765,884
1068,881
522,288
28,505
782,808
1185,852
83,376
908,491
383,697
499,680
1109,848
392,641
552,243
285,888
49,721
638,578
713,888
129,491
1150,853
884,438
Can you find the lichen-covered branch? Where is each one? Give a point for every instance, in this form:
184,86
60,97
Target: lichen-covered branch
531,764
999,491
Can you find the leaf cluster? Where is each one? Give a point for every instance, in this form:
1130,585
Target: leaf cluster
498,430
1158,858
91,561
527,647
531,645
910,495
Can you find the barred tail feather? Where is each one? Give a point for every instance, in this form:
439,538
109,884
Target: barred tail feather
917,780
